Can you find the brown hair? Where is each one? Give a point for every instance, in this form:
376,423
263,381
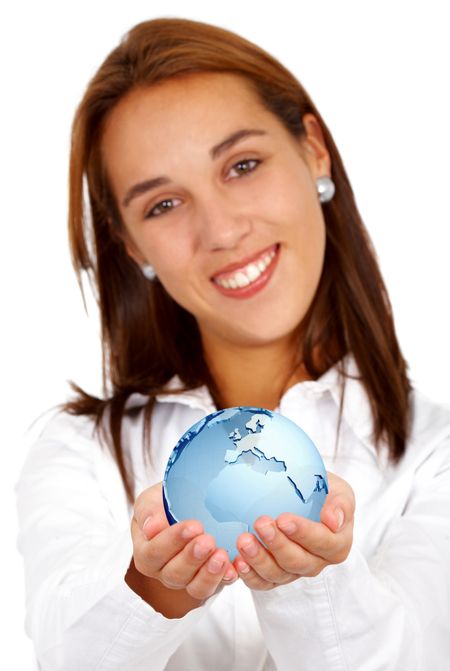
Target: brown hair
147,337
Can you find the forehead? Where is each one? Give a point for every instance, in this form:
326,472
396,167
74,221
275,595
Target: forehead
203,102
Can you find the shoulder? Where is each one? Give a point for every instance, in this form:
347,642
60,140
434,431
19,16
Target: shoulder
63,426
60,443
57,444
65,458
57,431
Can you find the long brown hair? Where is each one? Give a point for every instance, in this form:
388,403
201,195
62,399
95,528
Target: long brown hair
147,337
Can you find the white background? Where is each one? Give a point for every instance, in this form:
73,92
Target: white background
378,73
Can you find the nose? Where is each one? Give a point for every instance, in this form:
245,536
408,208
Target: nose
222,224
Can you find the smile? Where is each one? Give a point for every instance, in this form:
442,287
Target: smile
241,280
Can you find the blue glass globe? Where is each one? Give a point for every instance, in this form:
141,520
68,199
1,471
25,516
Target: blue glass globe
237,464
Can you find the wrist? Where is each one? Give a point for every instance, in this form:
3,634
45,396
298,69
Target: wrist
172,603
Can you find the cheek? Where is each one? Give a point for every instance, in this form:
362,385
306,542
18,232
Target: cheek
309,227
173,260
171,268
313,232
295,208
312,251
288,196
165,248
307,238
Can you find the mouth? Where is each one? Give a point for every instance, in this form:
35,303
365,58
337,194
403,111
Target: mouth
245,279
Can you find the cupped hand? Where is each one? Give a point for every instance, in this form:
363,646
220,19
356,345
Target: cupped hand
180,556
292,547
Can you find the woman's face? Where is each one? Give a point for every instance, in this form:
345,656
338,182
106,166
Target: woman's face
221,200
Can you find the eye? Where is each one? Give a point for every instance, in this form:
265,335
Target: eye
162,208
245,166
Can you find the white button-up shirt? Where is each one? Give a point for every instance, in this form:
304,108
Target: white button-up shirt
386,607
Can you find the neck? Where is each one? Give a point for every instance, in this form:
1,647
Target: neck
253,375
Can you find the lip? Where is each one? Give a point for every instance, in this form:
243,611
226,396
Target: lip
232,267
258,284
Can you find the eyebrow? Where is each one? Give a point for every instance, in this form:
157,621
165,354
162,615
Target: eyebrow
232,139
216,151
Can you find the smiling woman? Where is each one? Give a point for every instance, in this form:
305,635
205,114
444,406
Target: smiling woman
221,222
148,336
211,209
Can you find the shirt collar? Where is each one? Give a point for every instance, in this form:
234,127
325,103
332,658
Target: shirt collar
356,409
199,398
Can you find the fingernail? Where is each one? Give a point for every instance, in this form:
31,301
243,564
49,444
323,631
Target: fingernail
267,532
287,528
188,533
339,516
147,522
201,551
243,567
250,549
229,575
215,564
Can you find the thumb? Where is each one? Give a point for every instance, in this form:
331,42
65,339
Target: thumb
339,505
149,512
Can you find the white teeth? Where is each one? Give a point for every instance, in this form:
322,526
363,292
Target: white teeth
248,275
252,271
241,279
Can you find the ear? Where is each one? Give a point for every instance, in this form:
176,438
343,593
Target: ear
314,149
134,254
129,244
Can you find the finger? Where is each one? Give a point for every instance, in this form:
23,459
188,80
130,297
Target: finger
153,525
290,556
149,511
151,555
339,505
315,538
210,576
333,517
148,500
261,561
231,574
181,569
331,537
250,577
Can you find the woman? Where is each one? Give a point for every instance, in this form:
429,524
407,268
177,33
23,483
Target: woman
219,229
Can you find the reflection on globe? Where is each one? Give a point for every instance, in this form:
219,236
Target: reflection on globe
237,464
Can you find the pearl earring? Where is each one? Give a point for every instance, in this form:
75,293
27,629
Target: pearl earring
148,271
325,188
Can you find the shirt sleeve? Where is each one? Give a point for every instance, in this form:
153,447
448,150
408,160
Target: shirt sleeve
390,611
80,613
